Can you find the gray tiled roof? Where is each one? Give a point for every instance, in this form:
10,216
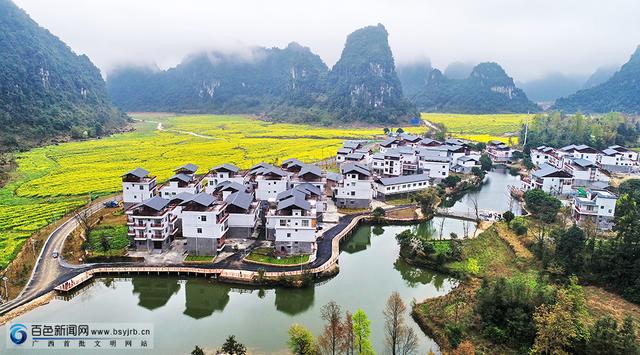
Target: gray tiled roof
188,167
546,170
356,156
203,199
351,144
296,201
388,142
292,162
290,193
583,162
308,189
156,203
360,169
182,177
138,172
403,179
344,151
227,167
240,199
310,169
183,196
230,185
334,176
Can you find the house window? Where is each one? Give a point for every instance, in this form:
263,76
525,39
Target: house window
199,230
283,223
288,235
203,218
305,223
353,193
141,187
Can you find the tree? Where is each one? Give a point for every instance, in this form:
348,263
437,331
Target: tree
362,332
232,347
508,216
451,180
387,131
485,162
82,216
197,351
542,205
427,199
478,172
400,338
347,343
603,337
627,342
378,214
332,314
399,130
465,348
301,340
570,247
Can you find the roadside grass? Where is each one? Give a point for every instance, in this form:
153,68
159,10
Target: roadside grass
267,256
400,201
199,258
54,180
114,238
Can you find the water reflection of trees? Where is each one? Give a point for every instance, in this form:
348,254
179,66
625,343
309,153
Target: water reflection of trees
154,292
415,276
293,301
202,298
360,240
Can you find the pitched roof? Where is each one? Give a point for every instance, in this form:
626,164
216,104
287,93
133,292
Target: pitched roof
260,165
388,142
183,196
344,151
290,193
138,172
308,189
291,162
230,185
156,203
267,169
360,169
409,137
295,201
356,156
227,167
351,144
403,179
203,199
240,199
334,176
583,162
188,167
183,177
610,151
469,157
310,169
547,170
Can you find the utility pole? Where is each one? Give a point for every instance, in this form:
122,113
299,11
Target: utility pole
6,289
526,130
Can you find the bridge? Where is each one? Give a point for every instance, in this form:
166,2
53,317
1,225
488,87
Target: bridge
486,215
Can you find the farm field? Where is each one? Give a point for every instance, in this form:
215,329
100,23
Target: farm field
54,180
482,128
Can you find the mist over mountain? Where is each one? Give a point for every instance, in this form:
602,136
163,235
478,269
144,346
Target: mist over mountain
552,86
458,70
414,77
601,75
291,83
47,91
620,93
487,89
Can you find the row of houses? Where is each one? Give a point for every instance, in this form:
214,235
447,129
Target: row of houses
615,158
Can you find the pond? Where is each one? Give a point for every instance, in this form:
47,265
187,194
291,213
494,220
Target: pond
189,312
493,195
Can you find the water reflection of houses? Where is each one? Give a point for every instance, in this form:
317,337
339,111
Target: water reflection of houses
293,301
154,292
202,298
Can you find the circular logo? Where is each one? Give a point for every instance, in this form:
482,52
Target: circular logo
18,334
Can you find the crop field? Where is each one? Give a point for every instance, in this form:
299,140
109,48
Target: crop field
482,128
54,180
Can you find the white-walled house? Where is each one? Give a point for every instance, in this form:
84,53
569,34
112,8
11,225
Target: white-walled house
435,165
618,159
184,180
627,154
151,224
388,163
543,155
204,224
584,171
549,179
499,152
390,143
466,163
269,181
598,206
307,174
581,151
385,187
355,189
244,214
137,186
221,173
291,224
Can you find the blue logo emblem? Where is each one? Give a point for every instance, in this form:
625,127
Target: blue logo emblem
18,334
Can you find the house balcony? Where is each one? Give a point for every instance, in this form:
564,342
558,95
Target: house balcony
585,210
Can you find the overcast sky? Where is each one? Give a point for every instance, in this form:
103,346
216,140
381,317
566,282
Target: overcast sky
528,38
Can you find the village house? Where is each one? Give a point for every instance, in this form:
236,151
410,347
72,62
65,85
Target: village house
268,181
244,214
400,185
307,174
221,173
390,143
597,206
388,163
355,189
151,224
543,154
499,152
466,163
348,147
618,159
184,180
204,224
410,140
137,186
291,222
584,171
435,165
581,151
428,142
549,179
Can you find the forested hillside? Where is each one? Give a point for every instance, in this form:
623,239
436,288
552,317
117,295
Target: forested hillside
291,83
47,92
488,89
620,93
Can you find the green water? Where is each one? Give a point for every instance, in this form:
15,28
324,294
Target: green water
186,312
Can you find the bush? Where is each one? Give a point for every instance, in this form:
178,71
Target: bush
454,334
451,180
508,216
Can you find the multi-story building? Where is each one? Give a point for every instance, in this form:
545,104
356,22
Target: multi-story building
388,163
618,159
465,164
308,174
137,186
597,206
549,179
355,189
184,180
244,214
221,173
151,224
435,165
584,171
499,152
291,223
400,185
269,181
204,224
581,151
543,155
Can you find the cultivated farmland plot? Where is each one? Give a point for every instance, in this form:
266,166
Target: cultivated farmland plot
481,128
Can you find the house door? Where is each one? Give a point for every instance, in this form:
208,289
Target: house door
157,245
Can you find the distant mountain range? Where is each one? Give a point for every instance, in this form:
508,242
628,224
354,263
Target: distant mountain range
47,92
291,83
620,93
487,89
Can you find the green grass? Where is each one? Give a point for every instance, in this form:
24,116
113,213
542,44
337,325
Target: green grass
54,180
441,246
267,256
116,235
481,128
199,258
486,254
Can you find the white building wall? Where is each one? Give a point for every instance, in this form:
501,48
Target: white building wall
269,189
136,192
